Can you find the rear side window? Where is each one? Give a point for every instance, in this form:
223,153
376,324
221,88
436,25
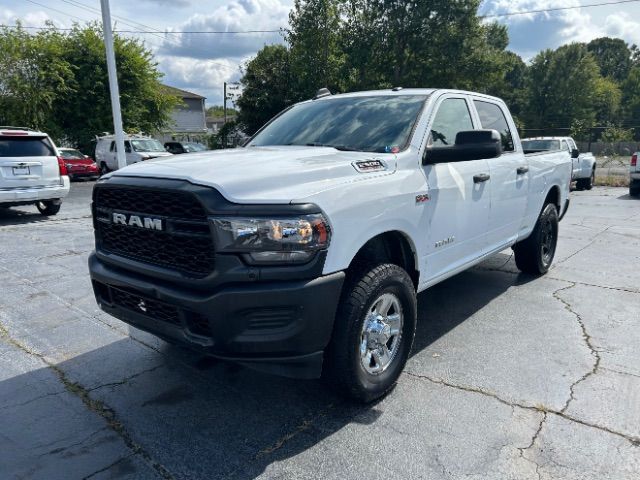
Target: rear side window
492,117
26,147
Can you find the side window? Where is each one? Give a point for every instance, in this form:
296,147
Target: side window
452,117
565,145
113,147
492,117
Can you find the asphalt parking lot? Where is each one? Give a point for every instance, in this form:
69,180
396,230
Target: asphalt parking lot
510,378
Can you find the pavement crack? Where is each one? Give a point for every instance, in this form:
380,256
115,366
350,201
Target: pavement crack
635,441
126,380
303,427
111,465
96,406
587,340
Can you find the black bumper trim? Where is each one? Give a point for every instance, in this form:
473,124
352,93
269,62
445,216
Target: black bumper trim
279,327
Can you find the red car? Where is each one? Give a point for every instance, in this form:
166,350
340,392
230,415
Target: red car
79,165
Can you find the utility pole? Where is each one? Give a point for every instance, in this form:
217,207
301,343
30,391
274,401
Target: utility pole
225,102
113,84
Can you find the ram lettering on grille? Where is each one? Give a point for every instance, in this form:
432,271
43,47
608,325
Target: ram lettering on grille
136,221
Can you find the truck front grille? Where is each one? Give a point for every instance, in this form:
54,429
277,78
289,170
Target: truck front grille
185,243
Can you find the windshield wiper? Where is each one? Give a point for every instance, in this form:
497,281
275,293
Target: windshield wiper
342,148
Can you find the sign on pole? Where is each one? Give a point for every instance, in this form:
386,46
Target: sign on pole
113,84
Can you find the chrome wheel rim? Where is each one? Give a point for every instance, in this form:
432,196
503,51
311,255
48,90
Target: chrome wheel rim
381,334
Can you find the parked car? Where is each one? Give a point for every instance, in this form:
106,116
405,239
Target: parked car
584,164
177,148
634,176
31,172
79,165
137,149
302,253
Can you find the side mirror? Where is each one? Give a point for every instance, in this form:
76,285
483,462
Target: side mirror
470,145
575,153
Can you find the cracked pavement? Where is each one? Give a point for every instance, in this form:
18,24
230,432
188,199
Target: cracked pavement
511,377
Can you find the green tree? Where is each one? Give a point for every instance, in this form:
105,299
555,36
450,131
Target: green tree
267,87
314,37
33,75
58,82
631,96
613,56
146,105
615,133
562,86
218,111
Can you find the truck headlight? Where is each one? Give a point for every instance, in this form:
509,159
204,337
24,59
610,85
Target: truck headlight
273,240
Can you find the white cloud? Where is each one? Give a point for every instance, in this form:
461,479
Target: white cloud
238,15
36,18
205,77
533,32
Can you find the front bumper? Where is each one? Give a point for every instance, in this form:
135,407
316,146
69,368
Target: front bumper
34,194
279,327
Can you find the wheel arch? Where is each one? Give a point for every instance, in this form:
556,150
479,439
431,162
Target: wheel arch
393,246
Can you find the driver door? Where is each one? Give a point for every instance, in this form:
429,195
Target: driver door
457,214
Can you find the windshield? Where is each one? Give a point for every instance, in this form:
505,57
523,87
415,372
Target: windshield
541,145
194,147
148,145
367,124
71,154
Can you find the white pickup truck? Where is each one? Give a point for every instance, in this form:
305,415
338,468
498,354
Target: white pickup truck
584,164
31,171
634,176
302,253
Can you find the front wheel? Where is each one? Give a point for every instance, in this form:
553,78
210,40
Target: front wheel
373,332
48,208
534,255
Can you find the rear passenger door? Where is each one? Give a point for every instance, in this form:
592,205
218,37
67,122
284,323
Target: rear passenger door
509,177
457,213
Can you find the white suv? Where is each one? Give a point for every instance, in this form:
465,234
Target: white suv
31,171
137,149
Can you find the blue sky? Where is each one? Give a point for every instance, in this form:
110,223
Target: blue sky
201,63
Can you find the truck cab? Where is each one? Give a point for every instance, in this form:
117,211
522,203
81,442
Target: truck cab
302,253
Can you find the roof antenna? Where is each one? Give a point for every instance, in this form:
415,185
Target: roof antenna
323,92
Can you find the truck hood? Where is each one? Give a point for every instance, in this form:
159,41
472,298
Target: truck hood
265,174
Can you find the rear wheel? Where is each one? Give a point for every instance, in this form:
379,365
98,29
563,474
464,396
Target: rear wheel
588,185
535,254
373,332
48,208
634,191
104,169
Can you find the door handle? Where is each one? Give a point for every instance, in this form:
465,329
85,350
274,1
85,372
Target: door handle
522,170
481,178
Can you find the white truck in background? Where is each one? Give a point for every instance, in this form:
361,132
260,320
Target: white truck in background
138,148
303,252
584,164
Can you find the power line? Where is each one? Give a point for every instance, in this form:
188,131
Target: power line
557,9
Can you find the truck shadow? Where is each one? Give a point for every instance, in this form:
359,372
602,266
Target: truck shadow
193,415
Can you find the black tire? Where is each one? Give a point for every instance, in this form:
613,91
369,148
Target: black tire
534,255
104,169
634,191
344,364
48,208
588,183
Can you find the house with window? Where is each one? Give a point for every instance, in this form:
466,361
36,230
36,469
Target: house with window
188,119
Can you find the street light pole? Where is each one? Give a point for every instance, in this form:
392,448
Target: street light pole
113,83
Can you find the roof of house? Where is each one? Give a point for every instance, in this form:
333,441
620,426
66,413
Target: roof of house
181,93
